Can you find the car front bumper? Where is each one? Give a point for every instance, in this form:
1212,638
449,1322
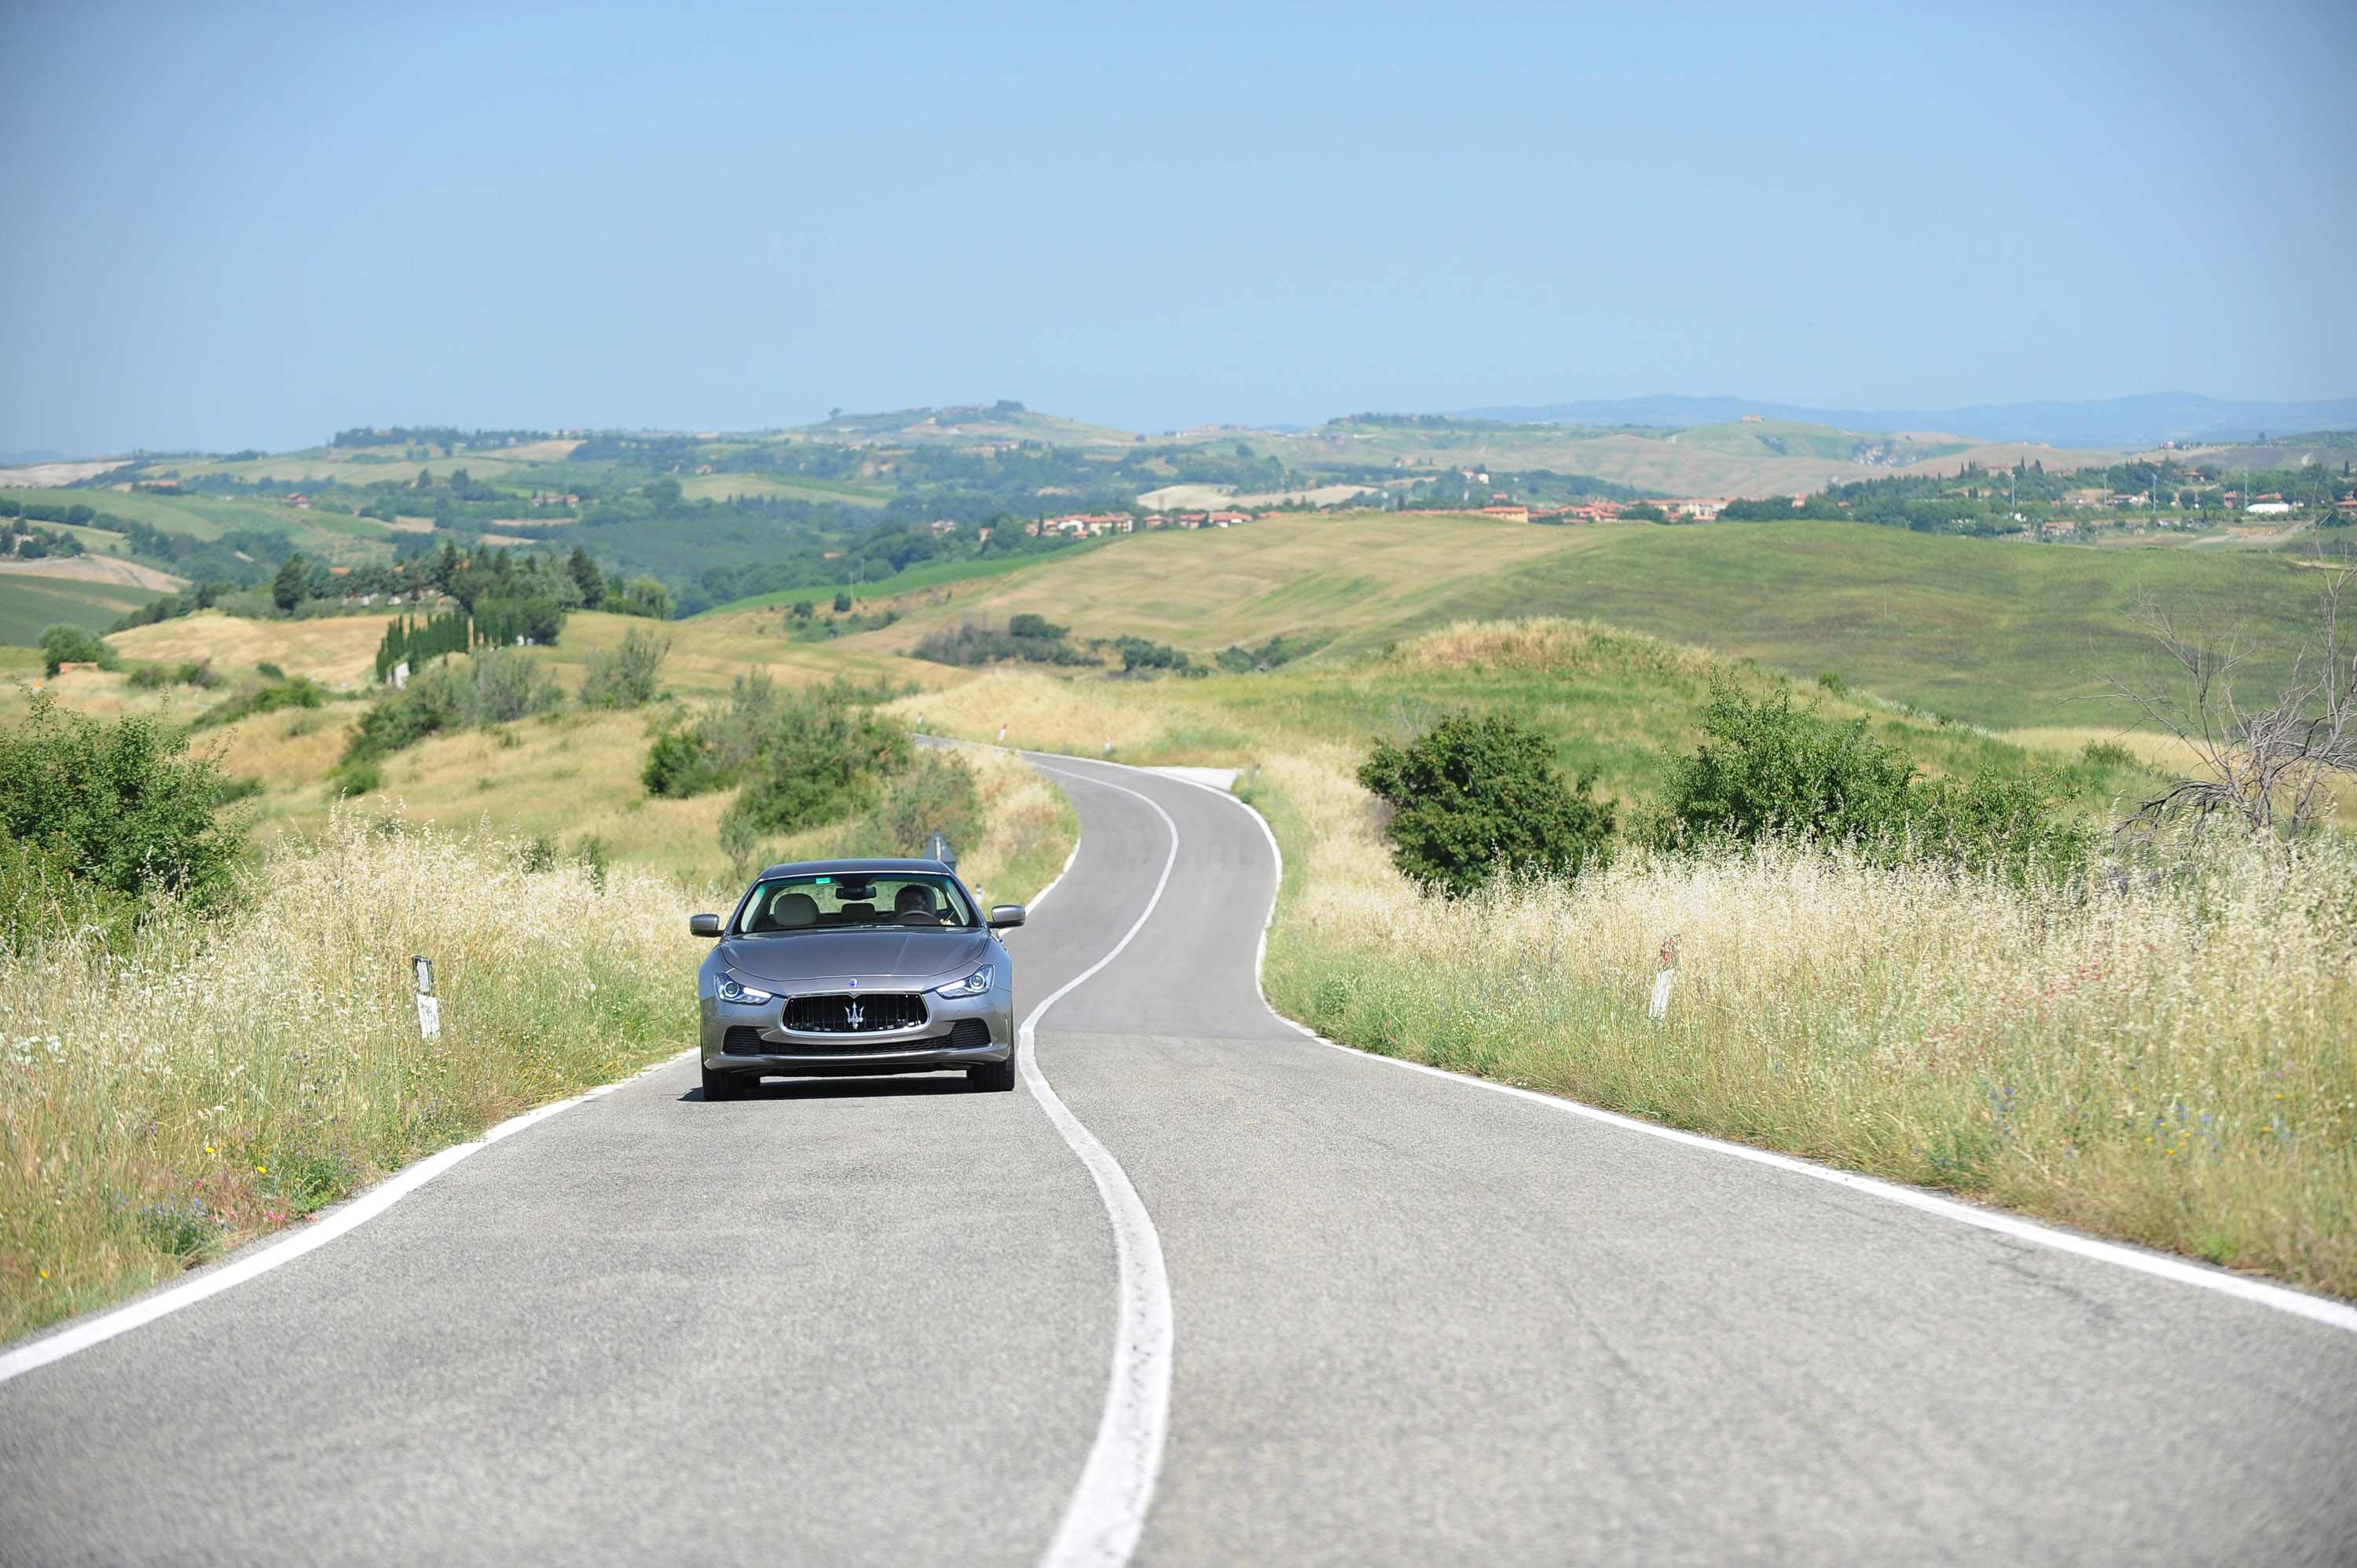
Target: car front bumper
763,1046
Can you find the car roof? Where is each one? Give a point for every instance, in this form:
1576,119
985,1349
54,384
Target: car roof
834,867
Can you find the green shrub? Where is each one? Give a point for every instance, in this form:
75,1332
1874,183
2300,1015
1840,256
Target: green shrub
41,898
1991,824
1139,653
1277,651
360,777
676,766
935,793
1766,768
120,804
1042,642
821,759
68,644
843,602
640,596
199,674
496,685
624,677
2107,754
270,671
714,753
1472,797
300,692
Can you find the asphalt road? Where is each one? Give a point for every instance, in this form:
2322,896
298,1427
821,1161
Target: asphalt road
1412,1322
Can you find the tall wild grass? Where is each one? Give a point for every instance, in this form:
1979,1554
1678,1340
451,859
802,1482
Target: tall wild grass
204,1081
2168,1056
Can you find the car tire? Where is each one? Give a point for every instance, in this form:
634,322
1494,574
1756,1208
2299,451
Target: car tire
721,1085
992,1078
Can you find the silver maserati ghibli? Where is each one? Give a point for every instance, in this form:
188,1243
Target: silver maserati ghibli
856,967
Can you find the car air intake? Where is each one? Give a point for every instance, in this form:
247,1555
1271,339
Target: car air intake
741,1041
862,1015
969,1034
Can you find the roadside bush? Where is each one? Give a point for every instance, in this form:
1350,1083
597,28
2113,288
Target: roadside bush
120,804
496,685
1139,653
1766,768
823,759
1275,651
66,644
624,677
714,753
934,794
300,692
199,674
1028,638
40,898
1473,796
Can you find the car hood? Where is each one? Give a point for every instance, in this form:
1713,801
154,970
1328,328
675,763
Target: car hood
884,954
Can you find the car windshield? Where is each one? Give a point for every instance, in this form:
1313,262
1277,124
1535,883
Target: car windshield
781,905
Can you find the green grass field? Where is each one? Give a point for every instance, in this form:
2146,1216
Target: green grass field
323,535
28,603
916,579
720,486
2001,634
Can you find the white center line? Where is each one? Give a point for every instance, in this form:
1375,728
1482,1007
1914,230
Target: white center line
1107,1511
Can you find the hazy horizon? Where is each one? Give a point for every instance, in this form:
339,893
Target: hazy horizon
247,227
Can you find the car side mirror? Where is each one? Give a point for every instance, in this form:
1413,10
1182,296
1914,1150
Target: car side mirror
1005,915
704,925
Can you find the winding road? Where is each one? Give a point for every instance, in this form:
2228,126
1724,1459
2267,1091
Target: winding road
1212,1292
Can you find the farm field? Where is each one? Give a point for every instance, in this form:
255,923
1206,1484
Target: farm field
2000,634
720,486
323,535
28,603
1768,458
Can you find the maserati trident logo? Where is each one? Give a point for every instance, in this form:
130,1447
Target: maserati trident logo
855,1015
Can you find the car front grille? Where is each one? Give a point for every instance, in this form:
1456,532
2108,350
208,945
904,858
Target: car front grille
862,1014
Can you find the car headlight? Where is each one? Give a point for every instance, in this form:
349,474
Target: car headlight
731,989
974,985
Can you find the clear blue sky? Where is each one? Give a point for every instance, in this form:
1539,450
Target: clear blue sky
245,226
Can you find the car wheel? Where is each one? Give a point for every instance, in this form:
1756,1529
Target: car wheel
721,1085
992,1078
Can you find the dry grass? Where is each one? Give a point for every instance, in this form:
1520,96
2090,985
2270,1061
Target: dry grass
332,650
2173,1062
1039,712
1545,643
220,1079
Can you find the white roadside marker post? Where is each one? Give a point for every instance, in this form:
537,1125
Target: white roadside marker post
429,1007
1659,1008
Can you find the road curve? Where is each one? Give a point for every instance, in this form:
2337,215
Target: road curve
1411,1322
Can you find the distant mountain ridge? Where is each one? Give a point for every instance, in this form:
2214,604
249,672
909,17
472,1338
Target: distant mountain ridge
2142,421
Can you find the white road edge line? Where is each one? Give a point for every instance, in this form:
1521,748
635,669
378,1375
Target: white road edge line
356,1212
2161,1264
1107,1512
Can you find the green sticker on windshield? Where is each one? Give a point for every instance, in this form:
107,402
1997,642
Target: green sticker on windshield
824,880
